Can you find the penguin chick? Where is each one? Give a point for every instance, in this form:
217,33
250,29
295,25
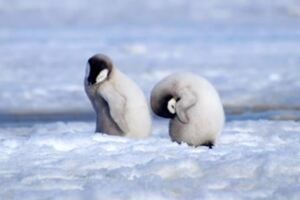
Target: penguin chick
193,106
120,105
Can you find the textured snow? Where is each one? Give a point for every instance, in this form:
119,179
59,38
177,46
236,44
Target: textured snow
253,160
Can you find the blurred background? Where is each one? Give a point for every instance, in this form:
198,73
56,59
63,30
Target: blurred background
249,49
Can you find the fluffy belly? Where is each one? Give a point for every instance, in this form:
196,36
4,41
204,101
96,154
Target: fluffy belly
192,133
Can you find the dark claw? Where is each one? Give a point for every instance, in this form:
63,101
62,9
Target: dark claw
209,144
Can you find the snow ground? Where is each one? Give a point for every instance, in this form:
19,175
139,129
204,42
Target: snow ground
253,160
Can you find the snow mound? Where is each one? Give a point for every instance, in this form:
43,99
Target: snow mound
253,160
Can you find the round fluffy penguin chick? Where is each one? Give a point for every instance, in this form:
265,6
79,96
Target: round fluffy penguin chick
193,106
120,105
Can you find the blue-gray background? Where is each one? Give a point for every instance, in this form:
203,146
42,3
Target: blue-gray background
249,49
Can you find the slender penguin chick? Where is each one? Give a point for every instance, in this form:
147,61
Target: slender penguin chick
120,105
193,106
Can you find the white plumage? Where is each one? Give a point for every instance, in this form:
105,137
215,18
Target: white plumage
120,105
193,106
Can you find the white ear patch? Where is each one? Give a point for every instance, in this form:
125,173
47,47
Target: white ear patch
87,70
171,106
102,76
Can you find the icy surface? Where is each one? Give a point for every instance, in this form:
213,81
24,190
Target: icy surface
43,70
253,160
